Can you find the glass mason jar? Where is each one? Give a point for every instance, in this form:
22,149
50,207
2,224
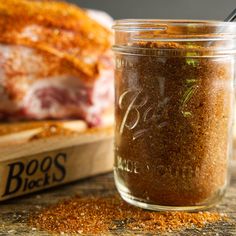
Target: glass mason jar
174,86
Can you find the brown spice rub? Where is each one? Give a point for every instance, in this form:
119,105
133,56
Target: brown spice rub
172,144
97,215
60,29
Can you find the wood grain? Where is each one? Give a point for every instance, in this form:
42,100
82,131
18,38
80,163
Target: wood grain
14,213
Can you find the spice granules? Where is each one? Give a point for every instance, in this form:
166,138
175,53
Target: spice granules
173,121
97,215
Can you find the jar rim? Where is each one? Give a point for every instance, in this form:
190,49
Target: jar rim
162,24
201,36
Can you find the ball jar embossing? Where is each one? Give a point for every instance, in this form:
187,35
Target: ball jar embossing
174,95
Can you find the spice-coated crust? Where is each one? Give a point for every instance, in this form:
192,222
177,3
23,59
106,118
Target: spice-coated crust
182,159
65,34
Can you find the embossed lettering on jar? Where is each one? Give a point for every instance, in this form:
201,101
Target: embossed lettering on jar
174,106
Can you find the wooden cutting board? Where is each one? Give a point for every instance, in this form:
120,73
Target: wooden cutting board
40,155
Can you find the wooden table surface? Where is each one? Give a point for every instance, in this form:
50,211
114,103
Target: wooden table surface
14,213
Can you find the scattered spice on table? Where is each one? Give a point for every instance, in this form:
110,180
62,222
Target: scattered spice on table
96,215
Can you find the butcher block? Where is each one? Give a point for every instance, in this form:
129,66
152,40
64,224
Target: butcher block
39,155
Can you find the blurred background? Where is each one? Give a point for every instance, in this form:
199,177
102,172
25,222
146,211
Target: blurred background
169,9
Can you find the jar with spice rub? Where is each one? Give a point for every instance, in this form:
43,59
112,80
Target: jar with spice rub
174,105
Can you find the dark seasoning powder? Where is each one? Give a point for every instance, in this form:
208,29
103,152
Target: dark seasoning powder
172,125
